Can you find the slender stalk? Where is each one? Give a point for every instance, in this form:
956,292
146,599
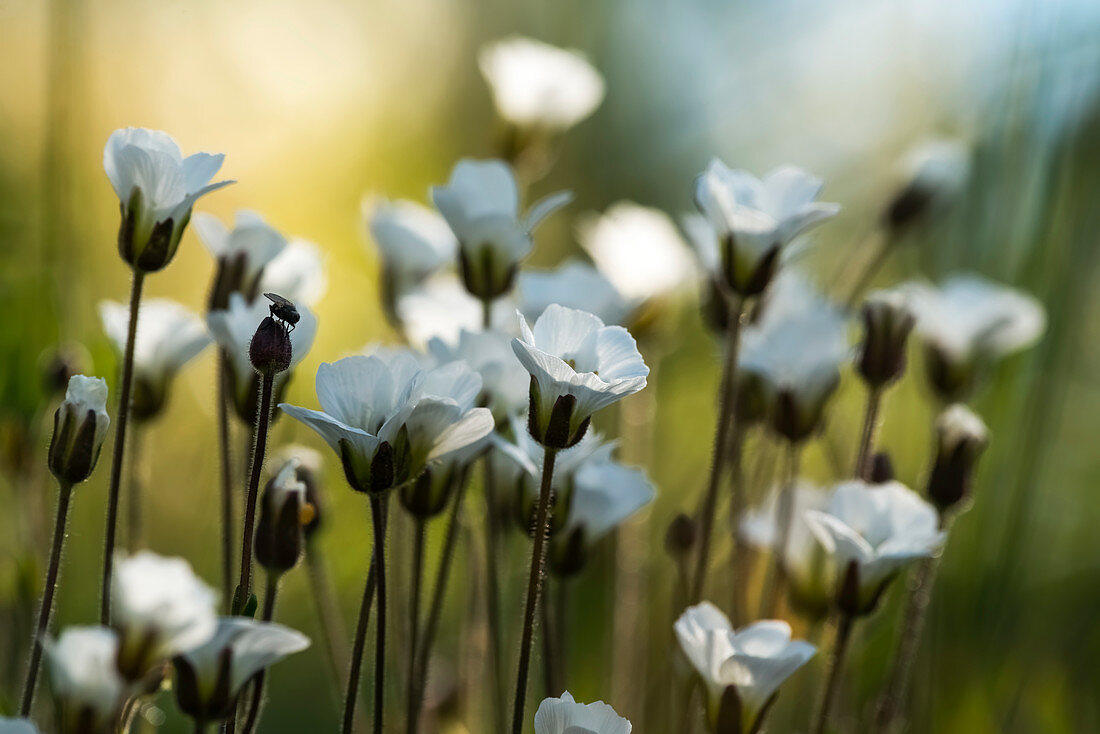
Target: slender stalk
443,574
882,244
378,519
119,449
263,421
46,607
328,614
727,389
134,489
738,567
200,727
836,665
777,575
227,480
412,704
357,647
889,708
551,667
534,586
259,685
867,435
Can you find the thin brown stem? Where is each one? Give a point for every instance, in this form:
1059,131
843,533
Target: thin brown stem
122,421
727,389
867,434
357,647
263,421
134,489
492,601
259,685
378,520
45,609
738,567
836,667
412,704
534,587
777,576
226,480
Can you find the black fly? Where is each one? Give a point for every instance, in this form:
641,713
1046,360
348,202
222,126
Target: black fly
283,310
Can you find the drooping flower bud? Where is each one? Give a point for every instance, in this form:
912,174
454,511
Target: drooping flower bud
887,322
283,512
961,439
270,350
80,425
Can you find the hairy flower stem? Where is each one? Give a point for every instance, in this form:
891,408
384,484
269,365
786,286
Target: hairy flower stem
836,666
378,520
227,480
123,420
45,609
328,613
263,421
412,704
534,586
435,613
777,575
727,389
889,708
358,645
259,685
867,435
134,489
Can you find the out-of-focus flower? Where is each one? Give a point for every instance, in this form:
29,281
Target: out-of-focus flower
565,716
967,324
638,249
578,366
796,349
870,533
441,308
84,680
809,575
283,510
414,241
233,329
297,274
384,424
754,660
887,321
572,284
156,187
309,470
481,205
210,676
79,427
504,381
160,607
754,219
169,335
241,253
961,438
934,172
17,726
536,85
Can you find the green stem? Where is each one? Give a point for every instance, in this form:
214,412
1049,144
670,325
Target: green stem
534,586
123,419
227,480
738,566
727,389
258,686
45,609
358,645
867,435
412,704
836,665
263,420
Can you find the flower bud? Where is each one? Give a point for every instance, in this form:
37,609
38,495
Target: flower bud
486,272
748,271
270,350
283,511
427,495
59,364
796,416
568,552
213,705
231,276
952,379
681,536
558,430
854,600
937,172
882,468
80,425
887,322
148,398
961,439
309,471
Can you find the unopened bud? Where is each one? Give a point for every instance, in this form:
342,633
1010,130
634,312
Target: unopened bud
309,470
936,171
747,271
427,495
270,350
80,425
797,416
882,468
887,322
486,270
279,529
681,536
961,439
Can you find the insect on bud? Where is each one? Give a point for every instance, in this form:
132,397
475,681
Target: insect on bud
270,350
283,511
887,322
680,537
961,439
80,425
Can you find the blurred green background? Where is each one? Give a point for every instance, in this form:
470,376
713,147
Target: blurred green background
316,103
